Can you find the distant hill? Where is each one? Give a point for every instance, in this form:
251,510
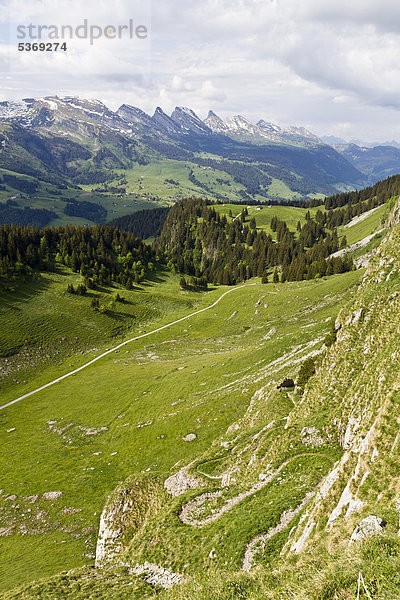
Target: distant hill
376,163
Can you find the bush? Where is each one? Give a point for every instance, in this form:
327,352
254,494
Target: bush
81,289
286,383
307,370
332,335
94,303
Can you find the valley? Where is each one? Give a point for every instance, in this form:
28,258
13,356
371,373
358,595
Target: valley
210,414
138,424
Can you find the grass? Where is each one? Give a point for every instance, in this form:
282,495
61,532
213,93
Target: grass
216,375
146,188
148,396
42,320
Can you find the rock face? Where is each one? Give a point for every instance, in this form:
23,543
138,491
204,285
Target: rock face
134,115
109,541
357,386
181,482
164,122
215,123
189,122
368,527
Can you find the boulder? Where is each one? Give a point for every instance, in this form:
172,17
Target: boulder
180,482
368,527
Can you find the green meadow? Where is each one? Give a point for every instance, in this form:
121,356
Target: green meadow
126,415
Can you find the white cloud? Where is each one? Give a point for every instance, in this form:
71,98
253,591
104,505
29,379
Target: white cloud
313,63
210,92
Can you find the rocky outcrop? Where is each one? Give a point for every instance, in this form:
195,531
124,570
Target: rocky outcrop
368,527
310,436
157,576
181,482
258,543
109,541
356,388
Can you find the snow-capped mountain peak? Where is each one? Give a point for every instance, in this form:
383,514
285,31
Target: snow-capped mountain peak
215,123
134,116
164,122
189,121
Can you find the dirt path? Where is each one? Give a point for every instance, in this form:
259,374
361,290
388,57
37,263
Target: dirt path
361,218
91,362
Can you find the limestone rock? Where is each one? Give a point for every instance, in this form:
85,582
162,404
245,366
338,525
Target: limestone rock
52,495
368,527
310,436
181,482
156,575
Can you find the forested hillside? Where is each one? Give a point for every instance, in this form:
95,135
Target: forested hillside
143,223
101,254
197,240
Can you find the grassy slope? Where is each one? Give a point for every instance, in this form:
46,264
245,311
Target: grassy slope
264,215
146,188
116,205
149,397
362,229
44,321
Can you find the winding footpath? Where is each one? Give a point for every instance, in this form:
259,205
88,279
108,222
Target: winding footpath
143,335
190,513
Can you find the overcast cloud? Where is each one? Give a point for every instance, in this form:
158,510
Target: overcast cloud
329,65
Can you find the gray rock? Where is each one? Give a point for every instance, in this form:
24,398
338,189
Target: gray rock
368,527
156,575
180,482
51,495
310,436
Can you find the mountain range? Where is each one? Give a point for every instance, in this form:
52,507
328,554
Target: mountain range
183,121
56,152
79,143
333,140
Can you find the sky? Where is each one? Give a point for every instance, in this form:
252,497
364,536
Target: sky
329,65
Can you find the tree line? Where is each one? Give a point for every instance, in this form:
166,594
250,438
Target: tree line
101,254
